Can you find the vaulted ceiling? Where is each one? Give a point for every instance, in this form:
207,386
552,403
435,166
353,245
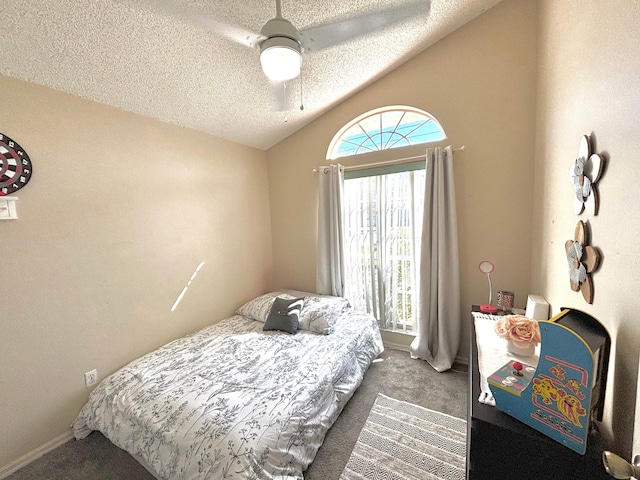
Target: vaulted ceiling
176,61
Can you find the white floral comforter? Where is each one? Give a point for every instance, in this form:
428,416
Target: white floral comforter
232,401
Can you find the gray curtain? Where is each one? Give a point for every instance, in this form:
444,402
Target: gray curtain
330,255
439,324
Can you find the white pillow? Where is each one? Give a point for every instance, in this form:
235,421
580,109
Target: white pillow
319,313
259,308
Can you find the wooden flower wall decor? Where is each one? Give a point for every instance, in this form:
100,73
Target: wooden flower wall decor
583,260
584,174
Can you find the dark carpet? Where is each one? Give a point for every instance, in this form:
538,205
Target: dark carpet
393,374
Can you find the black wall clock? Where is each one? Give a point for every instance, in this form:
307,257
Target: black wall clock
15,166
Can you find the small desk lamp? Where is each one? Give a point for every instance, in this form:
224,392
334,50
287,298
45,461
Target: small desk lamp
487,267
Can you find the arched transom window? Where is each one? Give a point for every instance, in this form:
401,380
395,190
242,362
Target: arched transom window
383,129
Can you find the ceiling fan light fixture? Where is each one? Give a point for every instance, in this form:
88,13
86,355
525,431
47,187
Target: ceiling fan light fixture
281,58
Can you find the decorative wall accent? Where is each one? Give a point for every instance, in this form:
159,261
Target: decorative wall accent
584,174
15,166
583,260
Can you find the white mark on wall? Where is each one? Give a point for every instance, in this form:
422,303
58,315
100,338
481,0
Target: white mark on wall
186,287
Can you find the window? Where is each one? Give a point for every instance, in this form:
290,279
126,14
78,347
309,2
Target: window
384,129
383,209
382,230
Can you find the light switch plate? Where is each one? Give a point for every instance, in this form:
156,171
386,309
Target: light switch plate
8,209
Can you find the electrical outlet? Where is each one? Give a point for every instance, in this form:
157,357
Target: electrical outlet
91,378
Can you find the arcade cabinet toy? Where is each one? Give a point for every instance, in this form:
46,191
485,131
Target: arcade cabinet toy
565,392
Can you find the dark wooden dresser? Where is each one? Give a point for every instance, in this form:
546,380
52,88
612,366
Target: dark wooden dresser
501,447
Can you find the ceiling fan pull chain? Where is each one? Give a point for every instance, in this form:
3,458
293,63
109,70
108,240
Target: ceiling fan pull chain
284,102
301,104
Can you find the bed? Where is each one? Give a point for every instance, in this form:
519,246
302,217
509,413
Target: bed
233,401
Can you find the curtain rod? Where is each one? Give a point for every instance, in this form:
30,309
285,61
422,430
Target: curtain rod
397,161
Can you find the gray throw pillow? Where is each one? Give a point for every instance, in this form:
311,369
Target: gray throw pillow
284,315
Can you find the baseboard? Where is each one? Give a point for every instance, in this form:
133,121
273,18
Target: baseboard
405,348
462,360
396,346
25,460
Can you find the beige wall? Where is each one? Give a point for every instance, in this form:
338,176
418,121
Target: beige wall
117,216
479,82
122,209
589,83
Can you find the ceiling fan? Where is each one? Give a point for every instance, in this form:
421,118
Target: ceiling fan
282,44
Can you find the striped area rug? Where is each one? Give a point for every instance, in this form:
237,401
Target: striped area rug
401,441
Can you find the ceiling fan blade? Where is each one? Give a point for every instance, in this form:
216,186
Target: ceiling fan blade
207,22
325,36
230,32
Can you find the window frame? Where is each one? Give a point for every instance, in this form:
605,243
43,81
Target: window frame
338,138
385,170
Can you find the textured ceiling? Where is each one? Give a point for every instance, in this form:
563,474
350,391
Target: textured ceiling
159,58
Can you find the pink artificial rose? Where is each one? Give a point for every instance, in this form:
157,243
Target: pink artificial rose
503,326
519,329
525,332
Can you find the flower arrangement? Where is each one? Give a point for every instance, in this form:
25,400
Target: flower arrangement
521,330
